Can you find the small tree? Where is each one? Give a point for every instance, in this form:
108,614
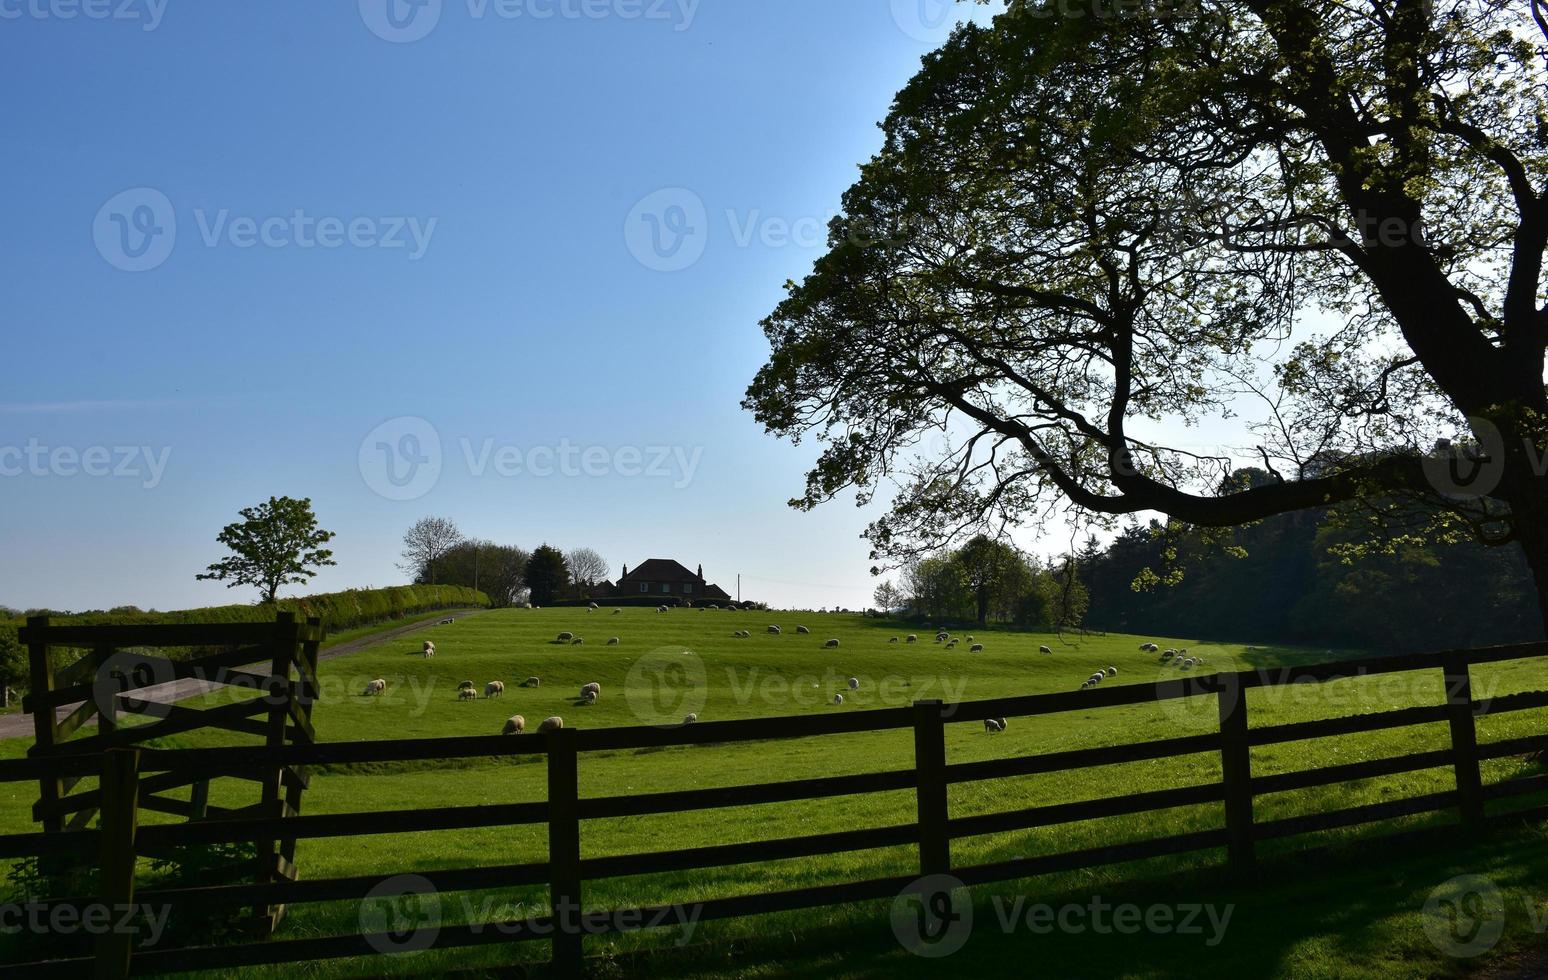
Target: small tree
547,574
887,597
426,543
587,568
275,544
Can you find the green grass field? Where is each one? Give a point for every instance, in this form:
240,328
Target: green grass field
1356,914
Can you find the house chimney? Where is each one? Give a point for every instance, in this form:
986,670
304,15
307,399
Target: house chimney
625,574
701,573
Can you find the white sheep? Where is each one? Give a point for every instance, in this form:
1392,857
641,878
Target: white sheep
591,606
1001,723
912,638
993,725
613,642
838,699
467,694
774,630
429,650
690,718
447,622
1045,649
593,689
551,724
1112,672
976,648
951,644
617,612
377,686
466,686
802,629
854,683
532,682
514,725
494,689
661,609
893,640
565,637
831,644
577,641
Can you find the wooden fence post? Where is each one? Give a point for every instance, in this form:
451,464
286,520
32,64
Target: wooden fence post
1236,772
1464,739
270,864
119,820
930,790
50,788
564,874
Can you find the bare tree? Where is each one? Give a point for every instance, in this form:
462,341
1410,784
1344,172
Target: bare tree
587,567
426,543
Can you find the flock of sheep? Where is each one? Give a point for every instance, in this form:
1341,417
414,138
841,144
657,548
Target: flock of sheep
1173,658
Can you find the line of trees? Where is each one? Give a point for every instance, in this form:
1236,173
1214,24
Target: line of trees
435,552
985,581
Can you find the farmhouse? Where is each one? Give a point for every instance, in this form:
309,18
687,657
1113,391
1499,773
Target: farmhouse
665,577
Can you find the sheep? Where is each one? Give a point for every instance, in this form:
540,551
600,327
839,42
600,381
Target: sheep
591,607
774,630
514,725
976,648
912,638
838,699
1045,649
893,640
377,686
951,644
592,688
532,682
1097,678
550,724
447,622
993,725
690,719
613,642
467,694
494,689
854,683
1001,723
1112,672
466,686
831,644
802,629
587,700
661,609
429,649
577,641
617,612
1168,655
942,637
564,637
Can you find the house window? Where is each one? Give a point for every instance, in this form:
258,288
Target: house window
688,588
644,586
666,588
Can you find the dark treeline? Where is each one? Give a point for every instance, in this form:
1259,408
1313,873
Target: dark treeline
1286,580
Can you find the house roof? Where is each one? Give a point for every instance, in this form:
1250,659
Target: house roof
659,570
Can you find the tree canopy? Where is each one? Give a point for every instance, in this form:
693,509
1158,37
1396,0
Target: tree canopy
1326,221
277,543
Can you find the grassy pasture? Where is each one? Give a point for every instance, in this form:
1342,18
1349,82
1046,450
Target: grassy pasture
1356,916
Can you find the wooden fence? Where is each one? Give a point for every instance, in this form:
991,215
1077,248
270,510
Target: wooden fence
566,871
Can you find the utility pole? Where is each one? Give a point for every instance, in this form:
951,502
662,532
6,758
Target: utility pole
738,586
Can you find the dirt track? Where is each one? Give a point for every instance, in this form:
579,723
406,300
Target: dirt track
20,725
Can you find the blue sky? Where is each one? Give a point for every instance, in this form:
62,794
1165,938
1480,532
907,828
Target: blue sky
280,248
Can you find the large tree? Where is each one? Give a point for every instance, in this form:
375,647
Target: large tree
426,543
587,567
1324,220
547,574
276,543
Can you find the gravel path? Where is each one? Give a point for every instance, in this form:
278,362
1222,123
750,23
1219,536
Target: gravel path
20,725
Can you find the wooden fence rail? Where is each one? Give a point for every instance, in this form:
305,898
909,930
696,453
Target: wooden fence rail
123,771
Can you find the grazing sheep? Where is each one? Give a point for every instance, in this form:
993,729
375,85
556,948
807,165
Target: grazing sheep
564,638
1045,649
532,682
591,606
838,699
613,642
466,686
377,686
802,629
970,639
429,650
854,683
514,725
830,644
1112,672
661,609
912,638
494,689
774,630
993,725
951,644
976,648
942,637
1084,685
1097,678
893,640
1003,726
577,641
592,688
467,694
1168,655
550,724
617,612
447,622
587,700
690,719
